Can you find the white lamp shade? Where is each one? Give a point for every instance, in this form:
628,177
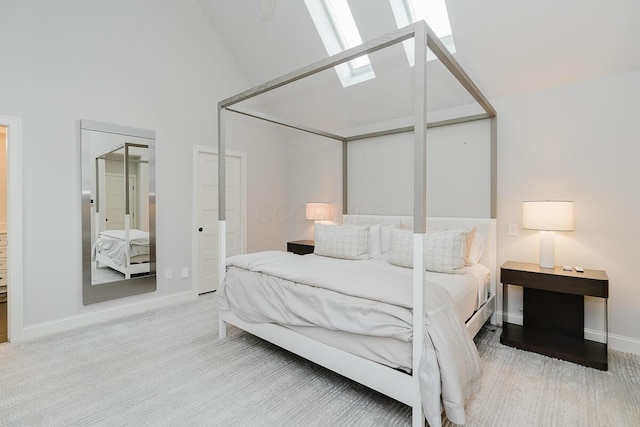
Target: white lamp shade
319,212
548,215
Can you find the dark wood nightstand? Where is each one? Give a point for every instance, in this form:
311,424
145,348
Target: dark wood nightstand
301,247
553,317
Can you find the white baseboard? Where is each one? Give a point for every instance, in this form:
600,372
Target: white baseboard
60,325
616,342
620,343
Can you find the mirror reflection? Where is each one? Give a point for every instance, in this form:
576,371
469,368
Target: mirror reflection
121,214
118,221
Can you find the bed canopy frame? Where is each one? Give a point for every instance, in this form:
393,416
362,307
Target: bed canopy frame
424,38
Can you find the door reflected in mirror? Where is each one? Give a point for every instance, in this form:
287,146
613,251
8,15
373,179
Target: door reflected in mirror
118,206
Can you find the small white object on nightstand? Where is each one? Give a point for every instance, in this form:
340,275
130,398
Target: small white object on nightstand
579,269
566,268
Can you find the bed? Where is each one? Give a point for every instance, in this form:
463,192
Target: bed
128,255
438,366
363,308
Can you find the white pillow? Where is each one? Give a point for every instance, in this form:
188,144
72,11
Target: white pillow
401,248
342,241
470,233
477,249
444,251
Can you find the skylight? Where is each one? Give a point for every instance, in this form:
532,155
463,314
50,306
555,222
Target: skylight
434,12
338,31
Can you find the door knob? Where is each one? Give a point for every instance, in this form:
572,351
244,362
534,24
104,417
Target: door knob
200,229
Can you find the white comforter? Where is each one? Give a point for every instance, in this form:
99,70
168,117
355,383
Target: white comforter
450,366
112,244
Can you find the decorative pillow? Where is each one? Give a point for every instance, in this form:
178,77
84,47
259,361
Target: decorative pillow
342,241
470,233
401,248
444,251
375,242
477,248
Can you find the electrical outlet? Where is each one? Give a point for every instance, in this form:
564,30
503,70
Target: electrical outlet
168,274
512,229
185,272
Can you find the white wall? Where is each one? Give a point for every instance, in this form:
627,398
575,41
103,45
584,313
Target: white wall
380,175
380,172
577,142
157,64
267,179
151,64
314,167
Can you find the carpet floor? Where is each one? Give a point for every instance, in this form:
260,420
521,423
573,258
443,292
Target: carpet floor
168,367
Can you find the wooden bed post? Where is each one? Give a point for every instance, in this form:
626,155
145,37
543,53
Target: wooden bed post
419,210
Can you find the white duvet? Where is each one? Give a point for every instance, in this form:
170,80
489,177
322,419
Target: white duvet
362,297
112,244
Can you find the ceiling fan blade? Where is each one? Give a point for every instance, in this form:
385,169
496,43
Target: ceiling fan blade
266,13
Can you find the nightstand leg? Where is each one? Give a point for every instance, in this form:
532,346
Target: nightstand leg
505,304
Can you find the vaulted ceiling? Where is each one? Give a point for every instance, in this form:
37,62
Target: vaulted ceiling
507,47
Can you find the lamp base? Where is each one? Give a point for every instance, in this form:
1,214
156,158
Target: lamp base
547,249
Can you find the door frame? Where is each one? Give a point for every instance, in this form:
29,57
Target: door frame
195,205
15,271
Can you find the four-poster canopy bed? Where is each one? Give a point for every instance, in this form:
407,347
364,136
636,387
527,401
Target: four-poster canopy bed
402,386
124,250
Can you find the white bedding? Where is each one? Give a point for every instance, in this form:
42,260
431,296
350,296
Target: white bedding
394,352
111,243
267,287
391,352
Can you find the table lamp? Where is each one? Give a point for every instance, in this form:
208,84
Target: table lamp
318,211
548,216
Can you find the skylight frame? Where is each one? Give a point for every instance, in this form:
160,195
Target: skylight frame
406,13
338,31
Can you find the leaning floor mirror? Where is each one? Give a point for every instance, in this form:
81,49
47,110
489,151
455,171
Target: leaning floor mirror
118,211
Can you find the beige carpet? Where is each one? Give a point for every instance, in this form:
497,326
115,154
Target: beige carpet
167,367
519,388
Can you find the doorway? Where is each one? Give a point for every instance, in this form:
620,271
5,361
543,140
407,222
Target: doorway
13,174
205,213
4,316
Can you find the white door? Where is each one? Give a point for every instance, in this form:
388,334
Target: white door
206,258
115,201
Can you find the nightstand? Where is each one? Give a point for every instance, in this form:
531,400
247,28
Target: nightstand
301,247
553,312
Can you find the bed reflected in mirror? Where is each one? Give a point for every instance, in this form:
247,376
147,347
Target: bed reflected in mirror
118,223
